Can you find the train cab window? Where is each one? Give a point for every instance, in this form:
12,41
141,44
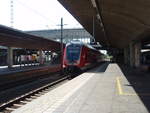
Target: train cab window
73,52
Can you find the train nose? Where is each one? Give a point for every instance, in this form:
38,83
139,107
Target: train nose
75,62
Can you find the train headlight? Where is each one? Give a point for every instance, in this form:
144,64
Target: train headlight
64,66
78,61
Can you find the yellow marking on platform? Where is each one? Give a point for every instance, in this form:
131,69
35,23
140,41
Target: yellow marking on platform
120,90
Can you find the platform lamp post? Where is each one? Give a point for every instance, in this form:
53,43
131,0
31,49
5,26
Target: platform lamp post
10,49
93,30
61,40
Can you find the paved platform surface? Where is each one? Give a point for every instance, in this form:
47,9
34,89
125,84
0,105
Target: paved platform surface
96,91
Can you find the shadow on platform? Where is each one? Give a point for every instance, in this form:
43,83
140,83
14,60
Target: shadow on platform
102,67
140,81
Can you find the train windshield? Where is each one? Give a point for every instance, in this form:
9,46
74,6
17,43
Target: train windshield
73,52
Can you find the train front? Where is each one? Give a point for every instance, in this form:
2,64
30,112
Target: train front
72,53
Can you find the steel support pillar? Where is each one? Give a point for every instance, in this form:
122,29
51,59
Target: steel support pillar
10,57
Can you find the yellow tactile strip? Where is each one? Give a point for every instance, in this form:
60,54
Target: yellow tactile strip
121,92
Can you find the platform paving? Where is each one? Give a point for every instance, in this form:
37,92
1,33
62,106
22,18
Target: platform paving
96,91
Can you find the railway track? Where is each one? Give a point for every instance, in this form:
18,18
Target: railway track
13,104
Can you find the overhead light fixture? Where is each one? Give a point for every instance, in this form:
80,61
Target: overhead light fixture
93,3
101,24
98,17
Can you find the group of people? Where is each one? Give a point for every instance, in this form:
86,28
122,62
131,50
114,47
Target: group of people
23,59
31,59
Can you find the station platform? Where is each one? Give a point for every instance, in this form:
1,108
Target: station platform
17,68
15,74
105,89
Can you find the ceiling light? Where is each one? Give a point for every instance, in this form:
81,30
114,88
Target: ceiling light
101,24
93,3
98,17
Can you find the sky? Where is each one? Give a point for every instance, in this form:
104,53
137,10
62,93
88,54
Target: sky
36,15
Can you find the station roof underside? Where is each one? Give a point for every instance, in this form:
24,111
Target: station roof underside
117,23
15,38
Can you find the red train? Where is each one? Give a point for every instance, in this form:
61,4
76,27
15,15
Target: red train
79,56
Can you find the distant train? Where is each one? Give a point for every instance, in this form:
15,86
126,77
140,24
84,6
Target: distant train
79,56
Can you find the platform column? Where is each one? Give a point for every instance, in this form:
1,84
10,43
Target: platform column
135,49
10,57
131,46
40,57
126,56
137,54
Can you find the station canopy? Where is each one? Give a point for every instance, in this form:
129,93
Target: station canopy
117,22
14,38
